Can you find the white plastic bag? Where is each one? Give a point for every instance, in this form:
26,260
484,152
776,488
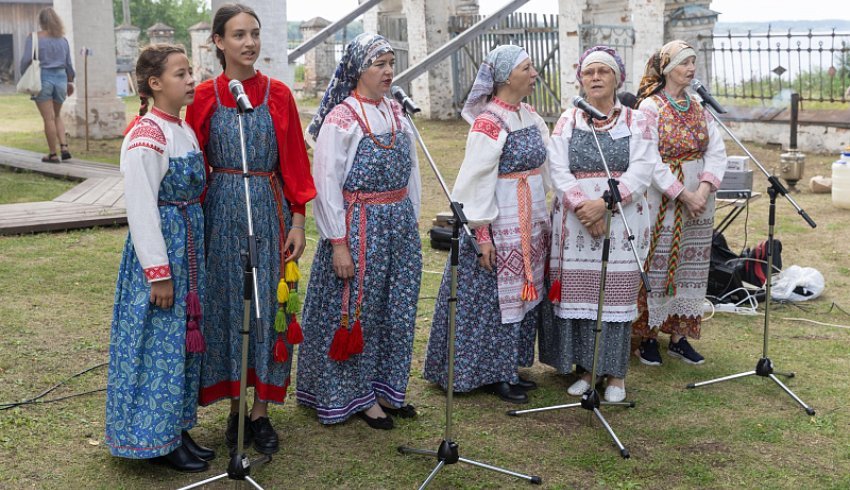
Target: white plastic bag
797,284
30,82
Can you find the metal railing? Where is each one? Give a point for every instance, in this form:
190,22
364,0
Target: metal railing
769,65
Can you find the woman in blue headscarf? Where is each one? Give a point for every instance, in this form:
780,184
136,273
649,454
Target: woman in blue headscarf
360,309
502,185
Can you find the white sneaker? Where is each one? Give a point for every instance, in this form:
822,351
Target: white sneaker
615,394
578,388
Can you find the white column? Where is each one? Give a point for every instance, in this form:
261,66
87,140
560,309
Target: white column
274,59
648,22
84,27
570,15
427,30
370,18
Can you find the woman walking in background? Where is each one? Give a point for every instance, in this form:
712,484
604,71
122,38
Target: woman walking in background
57,80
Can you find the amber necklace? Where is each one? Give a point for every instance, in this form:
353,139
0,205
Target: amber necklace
360,100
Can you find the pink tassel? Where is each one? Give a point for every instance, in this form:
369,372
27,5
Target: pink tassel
194,338
193,305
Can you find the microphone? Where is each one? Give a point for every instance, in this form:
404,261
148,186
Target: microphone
238,92
584,105
706,96
409,106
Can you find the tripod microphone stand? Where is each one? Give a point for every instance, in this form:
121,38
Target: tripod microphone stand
448,453
239,467
764,366
590,400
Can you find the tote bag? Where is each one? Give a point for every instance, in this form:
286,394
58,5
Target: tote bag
30,82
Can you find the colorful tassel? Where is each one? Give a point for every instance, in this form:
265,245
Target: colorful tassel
282,291
281,354
194,337
294,334
280,321
293,305
529,292
339,346
355,338
555,292
291,272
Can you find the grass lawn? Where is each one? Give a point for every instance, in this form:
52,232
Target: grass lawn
16,187
58,288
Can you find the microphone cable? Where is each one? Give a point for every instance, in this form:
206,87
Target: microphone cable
37,400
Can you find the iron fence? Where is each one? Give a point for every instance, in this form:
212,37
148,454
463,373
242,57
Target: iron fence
769,65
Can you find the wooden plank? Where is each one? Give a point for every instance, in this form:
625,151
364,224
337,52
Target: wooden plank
110,197
98,190
77,191
87,222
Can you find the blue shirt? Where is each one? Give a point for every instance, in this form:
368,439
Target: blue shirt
53,52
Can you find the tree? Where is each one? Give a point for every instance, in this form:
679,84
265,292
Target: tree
179,14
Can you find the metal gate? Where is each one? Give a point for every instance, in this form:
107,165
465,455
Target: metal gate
619,37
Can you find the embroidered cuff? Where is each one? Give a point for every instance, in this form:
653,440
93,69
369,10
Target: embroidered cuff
158,273
482,234
674,190
573,198
711,179
625,193
338,241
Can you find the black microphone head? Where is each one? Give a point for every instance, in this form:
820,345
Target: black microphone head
696,84
577,100
397,91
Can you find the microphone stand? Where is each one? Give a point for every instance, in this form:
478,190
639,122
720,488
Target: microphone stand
590,400
447,453
239,467
764,366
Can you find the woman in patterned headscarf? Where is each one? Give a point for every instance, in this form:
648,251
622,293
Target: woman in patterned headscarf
681,202
360,309
578,221
501,186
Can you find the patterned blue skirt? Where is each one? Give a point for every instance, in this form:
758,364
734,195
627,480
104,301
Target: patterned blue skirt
487,350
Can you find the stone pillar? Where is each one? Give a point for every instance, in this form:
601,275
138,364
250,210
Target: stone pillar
274,59
319,62
160,33
427,31
570,16
126,47
84,27
370,18
204,62
647,18
689,20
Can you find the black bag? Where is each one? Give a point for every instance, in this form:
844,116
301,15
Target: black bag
723,272
754,271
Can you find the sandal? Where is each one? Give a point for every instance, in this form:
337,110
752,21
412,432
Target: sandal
51,158
66,155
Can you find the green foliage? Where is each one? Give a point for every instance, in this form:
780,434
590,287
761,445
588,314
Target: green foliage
178,14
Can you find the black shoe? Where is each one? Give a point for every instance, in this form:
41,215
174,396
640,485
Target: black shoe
525,384
181,459
202,452
649,354
265,437
51,158
507,392
232,432
405,412
385,423
66,155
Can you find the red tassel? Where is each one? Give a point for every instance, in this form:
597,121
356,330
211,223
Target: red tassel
193,305
339,346
280,353
194,337
529,292
355,339
555,292
294,334
131,125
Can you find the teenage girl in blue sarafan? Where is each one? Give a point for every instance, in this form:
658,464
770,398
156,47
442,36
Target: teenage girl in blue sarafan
156,340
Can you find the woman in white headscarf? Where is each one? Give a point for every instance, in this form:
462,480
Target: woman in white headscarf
502,185
629,143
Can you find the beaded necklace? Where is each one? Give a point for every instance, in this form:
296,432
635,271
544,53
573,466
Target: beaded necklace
675,104
360,100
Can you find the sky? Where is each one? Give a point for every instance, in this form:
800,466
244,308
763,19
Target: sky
730,10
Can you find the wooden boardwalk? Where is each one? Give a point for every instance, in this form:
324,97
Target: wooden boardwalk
98,200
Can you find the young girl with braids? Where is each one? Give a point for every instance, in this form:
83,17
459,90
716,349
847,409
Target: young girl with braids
156,339
280,187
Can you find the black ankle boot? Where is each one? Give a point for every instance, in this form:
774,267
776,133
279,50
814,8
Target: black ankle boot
525,384
507,392
202,452
181,459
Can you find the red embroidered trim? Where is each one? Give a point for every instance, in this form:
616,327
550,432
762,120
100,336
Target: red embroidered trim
365,99
158,272
559,126
574,197
674,190
340,117
482,234
501,103
145,144
710,178
148,129
164,115
484,124
338,241
528,107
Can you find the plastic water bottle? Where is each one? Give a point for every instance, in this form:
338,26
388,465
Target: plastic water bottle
841,181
